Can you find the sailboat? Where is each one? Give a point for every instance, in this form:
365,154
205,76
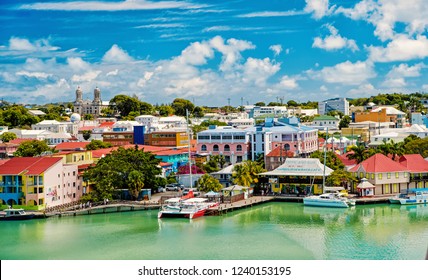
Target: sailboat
328,199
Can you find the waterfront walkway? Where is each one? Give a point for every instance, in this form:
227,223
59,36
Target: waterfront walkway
249,202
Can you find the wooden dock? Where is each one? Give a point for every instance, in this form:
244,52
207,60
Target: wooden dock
102,209
227,207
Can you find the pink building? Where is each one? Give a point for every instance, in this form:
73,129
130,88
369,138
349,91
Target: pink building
230,142
39,182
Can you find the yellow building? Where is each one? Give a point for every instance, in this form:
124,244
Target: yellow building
167,138
351,133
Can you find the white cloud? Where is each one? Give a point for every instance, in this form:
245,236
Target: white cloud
38,75
77,64
346,73
323,88
288,83
87,77
394,83
20,44
318,8
364,90
401,48
161,25
334,41
404,70
217,28
116,55
109,6
113,73
425,87
274,14
231,50
277,49
259,70
385,14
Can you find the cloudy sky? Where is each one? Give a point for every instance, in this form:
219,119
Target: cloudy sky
212,51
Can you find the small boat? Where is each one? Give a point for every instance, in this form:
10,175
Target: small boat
15,215
418,197
190,208
396,199
328,200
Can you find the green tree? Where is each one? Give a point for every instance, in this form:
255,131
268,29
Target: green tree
198,112
332,160
17,116
359,153
340,177
180,106
208,183
113,172
246,174
344,122
165,110
135,183
97,144
7,136
32,148
292,103
219,159
260,103
417,146
125,104
86,134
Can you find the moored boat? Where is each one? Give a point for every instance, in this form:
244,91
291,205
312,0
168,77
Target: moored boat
418,197
15,215
327,200
190,208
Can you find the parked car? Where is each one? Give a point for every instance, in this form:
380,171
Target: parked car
195,191
161,189
171,187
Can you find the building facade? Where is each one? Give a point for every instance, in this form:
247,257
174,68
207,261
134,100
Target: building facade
335,104
85,107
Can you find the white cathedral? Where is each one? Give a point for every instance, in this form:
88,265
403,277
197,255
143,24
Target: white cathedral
94,107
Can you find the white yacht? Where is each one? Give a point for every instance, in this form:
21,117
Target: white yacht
328,200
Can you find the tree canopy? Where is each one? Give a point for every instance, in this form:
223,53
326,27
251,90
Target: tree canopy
208,183
7,136
32,148
123,169
97,144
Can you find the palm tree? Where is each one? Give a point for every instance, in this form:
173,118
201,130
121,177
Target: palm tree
360,153
384,148
246,174
396,149
208,183
135,183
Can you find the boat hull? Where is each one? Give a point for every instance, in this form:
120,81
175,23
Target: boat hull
324,203
18,218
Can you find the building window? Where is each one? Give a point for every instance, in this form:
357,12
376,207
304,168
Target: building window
215,148
395,188
203,148
379,176
227,158
239,159
239,148
388,175
226,148
396,175
386,189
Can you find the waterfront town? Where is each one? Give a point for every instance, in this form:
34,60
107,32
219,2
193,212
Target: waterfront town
57,156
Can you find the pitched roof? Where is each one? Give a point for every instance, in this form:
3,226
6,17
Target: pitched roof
31,165
20,140
107,124
414,163
71,146
280,151
379,163
347,162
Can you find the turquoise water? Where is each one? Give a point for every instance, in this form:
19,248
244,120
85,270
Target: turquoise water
269,231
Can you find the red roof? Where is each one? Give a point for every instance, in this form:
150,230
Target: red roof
20,140
347,162
379,163
89,127
107,124
3,161
414,163
71,146
171,152
31,165
162,164
280,151
102,152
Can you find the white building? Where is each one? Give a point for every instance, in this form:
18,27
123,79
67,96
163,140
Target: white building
125,125
148,121
242,123
56,138
30,133
335,104
261,111
94,107
57,127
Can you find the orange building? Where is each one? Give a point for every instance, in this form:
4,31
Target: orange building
119,138
382,114
167,138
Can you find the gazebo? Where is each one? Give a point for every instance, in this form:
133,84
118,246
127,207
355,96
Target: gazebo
365,188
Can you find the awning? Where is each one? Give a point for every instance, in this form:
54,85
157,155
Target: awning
300,167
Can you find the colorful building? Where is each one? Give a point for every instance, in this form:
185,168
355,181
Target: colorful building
382,114
167,138
38,182
388,176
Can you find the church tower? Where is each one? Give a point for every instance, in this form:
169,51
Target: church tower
79,95
97,95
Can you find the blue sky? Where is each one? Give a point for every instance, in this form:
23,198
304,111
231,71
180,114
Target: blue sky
210,51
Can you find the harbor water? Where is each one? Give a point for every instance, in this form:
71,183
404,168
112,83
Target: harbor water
271,231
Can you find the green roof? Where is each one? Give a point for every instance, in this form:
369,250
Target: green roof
325,118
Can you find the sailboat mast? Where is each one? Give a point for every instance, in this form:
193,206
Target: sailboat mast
325,159
190,156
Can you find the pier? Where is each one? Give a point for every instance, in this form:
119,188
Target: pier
227,207
105,208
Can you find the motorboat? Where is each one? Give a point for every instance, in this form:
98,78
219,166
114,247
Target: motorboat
329,200
418,197
15,215
396,199
189,208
